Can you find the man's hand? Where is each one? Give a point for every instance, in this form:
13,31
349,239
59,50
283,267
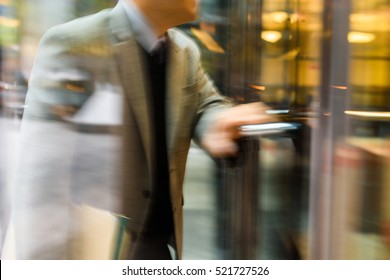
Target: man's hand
220,139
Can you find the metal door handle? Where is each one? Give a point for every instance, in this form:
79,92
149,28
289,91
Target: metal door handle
266,129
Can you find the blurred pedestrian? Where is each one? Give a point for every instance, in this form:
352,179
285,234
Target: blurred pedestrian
114,101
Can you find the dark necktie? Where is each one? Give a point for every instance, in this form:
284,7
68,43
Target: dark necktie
158,54
160,221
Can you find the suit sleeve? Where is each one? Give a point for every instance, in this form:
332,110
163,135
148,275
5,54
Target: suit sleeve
210,101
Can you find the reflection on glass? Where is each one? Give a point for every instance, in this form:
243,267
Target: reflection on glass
360,219
290,75
291,49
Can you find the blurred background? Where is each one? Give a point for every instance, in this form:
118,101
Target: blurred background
322,192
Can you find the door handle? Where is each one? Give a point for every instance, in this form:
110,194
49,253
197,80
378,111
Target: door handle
266,129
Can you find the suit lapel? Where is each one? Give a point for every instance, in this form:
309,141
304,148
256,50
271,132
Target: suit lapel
132,72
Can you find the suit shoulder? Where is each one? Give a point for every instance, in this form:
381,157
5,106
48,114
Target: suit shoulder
183,41
87,35
81,28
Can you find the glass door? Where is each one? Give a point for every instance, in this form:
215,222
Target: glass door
350,175
267,51
289,82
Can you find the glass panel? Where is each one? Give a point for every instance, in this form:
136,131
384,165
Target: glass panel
350,154
291,49
271,53
290,81
360,219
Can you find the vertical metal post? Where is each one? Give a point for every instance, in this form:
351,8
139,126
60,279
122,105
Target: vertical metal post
241,183
243,50
331,118
243,64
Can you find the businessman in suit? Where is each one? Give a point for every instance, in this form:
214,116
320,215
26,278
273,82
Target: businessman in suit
130,73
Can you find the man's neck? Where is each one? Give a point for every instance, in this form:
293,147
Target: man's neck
158,22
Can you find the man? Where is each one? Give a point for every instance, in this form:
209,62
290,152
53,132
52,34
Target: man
108,124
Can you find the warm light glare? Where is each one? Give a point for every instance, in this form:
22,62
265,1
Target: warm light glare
368,114
256,87
360,37
9,22
279,17
271,36
207,40
339,87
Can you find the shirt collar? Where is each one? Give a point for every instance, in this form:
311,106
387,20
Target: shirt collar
143,31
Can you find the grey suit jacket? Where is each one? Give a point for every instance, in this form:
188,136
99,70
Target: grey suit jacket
87,70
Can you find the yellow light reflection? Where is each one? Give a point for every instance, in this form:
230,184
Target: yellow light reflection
256,87
339,87
360,37
9,22
207,40
279,17
271,36
368,114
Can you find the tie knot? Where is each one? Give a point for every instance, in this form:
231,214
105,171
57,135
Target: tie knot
159,52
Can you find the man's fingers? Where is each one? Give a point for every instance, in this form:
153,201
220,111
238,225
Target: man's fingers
220,144
221,138
251,113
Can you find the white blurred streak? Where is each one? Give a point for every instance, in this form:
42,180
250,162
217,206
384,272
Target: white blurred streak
104,107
